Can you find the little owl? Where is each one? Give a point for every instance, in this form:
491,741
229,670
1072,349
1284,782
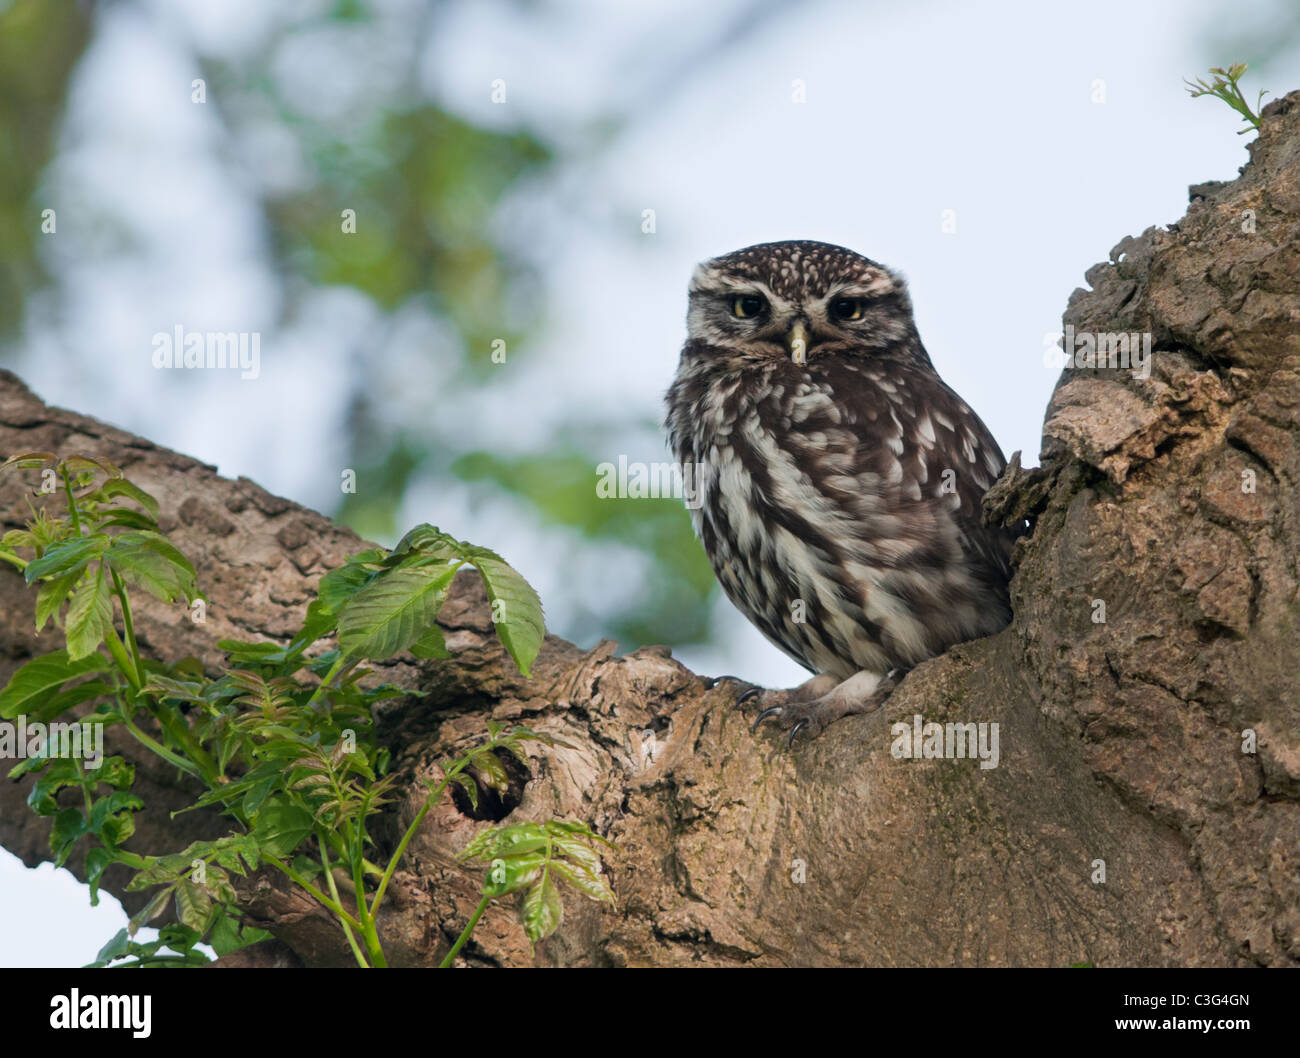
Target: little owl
838,479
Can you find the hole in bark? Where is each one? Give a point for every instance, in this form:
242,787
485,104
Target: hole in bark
494,805
1208,631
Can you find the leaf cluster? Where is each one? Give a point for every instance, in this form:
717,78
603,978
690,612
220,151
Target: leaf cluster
282,739
1225,87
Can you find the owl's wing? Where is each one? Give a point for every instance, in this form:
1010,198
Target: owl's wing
922,461
950,443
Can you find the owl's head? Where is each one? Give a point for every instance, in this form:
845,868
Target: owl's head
799,300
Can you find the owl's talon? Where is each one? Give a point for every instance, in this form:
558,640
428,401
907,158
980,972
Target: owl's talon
811,709
747,694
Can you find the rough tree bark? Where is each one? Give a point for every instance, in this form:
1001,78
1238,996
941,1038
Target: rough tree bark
1120,741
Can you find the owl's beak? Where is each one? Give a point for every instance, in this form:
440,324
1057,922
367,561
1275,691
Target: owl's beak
797,342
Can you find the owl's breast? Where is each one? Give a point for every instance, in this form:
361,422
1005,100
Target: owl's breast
824,511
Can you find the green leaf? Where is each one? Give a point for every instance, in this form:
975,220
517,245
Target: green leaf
543,910
228,936
53,594
118,828
217,884
257,794
54,707
241,650
492,842
577,850
28,765
156,906
114,771
90,615
173,937
229,858
193,905
67,556
29,460
281,827
116,948
593,887
18,538
165,687
333,592
516,609
111,818
510,875
517,751
69,826
127,519
431,645
60,772
470,787
307,867
76,463
122,487
250,852
515,844
150,561
490,771
228,745
97,859
32,683
158,869
428,541
225,935
392,612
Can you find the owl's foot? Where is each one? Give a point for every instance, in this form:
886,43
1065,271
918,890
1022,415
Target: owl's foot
807,691
814,704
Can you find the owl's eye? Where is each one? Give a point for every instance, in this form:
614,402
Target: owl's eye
747,306
848,308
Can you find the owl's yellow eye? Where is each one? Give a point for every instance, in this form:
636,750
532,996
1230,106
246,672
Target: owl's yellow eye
747,306
848,308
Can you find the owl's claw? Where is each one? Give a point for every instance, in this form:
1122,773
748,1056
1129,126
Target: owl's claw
814,704
815,708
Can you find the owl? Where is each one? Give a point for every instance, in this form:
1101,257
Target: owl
836,479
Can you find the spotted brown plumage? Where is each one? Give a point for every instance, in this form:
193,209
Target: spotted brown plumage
839,478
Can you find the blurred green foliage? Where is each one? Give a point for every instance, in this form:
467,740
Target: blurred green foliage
672,604
425,186
1263,41
428,188
40,43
